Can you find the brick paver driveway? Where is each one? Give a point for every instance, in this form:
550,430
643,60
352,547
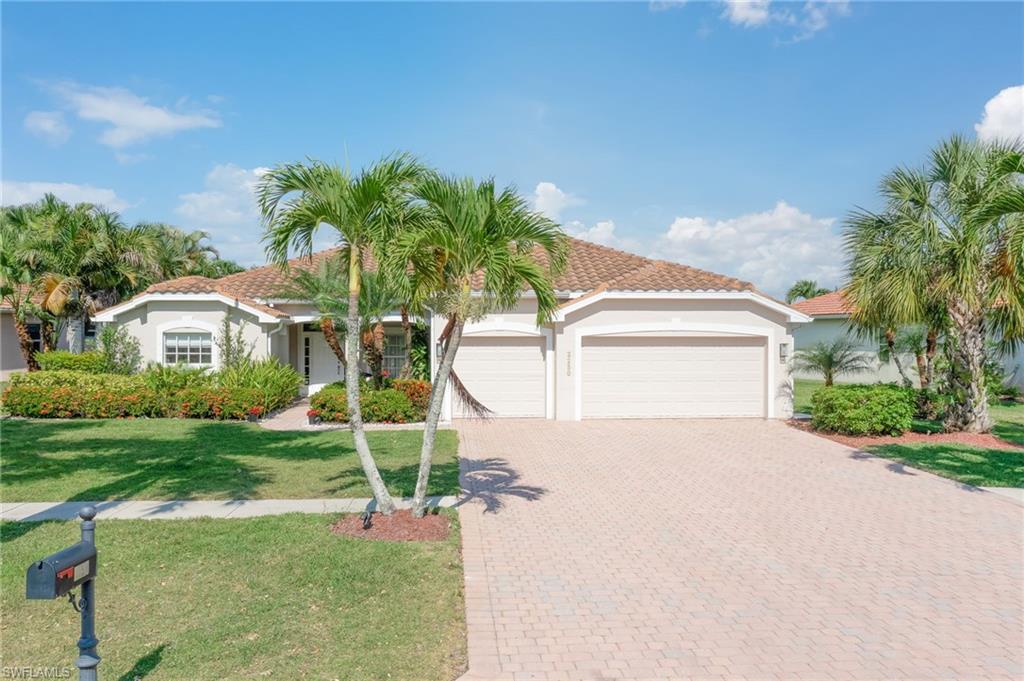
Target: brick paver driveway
670,549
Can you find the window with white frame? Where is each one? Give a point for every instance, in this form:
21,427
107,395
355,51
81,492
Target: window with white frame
394,354
194,348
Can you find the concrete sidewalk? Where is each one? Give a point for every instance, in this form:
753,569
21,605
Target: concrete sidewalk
32,511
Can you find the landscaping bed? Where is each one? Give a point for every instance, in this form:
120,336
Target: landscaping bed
271,597
95,460
985,440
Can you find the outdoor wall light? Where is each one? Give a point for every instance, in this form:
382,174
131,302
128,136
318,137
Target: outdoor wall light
783,352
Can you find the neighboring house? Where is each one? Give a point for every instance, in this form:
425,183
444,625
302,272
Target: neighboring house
633,338
831,320
11,359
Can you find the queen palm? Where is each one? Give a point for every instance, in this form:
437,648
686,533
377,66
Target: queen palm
948,248
463,235
296,200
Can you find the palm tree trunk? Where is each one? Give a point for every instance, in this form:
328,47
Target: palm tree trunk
331,338
76,332
969,411
407,334
890,342
922,370
355,415
419,499
47,335
930,348
28,351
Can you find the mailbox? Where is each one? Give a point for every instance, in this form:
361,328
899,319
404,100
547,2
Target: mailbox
59,573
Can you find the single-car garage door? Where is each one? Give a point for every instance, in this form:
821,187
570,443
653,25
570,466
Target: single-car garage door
676,377
506,374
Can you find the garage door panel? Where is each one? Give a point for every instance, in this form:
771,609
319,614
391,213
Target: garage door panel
505,374
673,377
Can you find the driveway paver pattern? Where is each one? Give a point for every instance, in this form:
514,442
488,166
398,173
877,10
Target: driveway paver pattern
727,549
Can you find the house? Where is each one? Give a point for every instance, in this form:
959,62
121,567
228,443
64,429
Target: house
633,338
830,314
11,359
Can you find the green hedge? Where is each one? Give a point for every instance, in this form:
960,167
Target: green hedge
388,405
57,360
77,394
864,409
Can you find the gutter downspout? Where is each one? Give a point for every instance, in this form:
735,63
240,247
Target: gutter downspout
270,337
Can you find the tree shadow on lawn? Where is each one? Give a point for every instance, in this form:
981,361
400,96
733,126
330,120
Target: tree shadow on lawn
401,481
969,465
145,664
207,461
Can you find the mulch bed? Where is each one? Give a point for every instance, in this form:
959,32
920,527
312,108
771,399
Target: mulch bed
981,440
399,526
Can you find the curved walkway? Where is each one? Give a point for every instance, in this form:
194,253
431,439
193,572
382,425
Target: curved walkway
727,549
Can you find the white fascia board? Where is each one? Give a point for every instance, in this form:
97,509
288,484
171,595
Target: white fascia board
110,313
791,314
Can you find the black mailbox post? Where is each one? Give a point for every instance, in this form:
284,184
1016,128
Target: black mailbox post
57,574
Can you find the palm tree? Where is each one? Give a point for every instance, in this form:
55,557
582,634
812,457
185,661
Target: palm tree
831,359
462,235
17,274
804,289
296,199
325,287
948,248
91,261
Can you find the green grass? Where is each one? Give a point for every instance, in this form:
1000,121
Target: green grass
274,597
191,459
803,388
972,465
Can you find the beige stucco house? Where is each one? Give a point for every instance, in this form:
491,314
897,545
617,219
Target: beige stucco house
633,338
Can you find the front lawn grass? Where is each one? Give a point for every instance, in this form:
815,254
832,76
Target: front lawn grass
803,389
271,597
161,459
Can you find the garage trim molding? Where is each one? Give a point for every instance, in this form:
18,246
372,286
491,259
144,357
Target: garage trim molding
496,326
791,314
671,326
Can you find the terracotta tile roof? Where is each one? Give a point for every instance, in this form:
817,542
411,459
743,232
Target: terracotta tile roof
833,303
36,297
590,268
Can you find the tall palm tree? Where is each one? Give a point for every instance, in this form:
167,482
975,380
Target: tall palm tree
948,245
326,288
831,359
804,289
462,235
296,199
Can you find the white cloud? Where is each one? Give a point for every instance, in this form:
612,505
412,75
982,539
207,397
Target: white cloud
49,125
805,20
14,193
601,232
227,209
1003,118
772,249
550,200
747,12
131,118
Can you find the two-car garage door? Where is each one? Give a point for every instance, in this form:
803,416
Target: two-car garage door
672,377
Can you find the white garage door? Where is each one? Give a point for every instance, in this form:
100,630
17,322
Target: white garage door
673,377
506,374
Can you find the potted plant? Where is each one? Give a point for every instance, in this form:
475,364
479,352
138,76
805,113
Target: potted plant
255,413
314,417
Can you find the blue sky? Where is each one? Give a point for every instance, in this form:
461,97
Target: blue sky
732,137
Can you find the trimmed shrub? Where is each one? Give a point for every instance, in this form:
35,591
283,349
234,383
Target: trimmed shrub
56,360
387,405
418,393
218,403
864,409
277,383
67,401
168,379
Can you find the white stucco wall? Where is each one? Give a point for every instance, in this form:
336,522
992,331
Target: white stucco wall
827,330
151,320
662,317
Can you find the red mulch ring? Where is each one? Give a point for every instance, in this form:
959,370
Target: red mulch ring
399,526
981,440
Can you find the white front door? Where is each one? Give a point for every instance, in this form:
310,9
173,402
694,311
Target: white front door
320,365
673,377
